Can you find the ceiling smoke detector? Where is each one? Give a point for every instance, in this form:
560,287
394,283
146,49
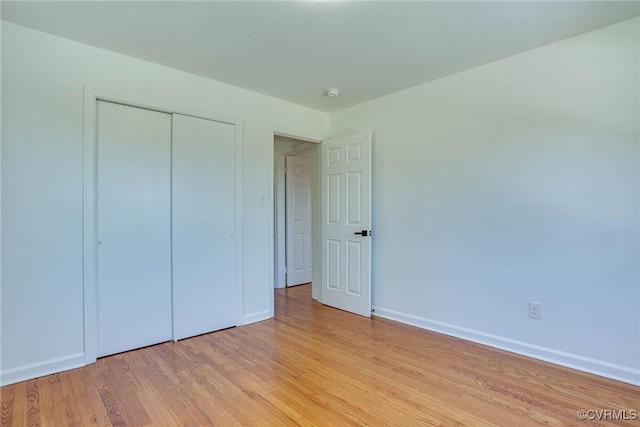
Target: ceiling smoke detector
332,92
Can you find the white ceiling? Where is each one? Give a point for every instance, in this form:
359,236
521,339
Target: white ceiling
296,50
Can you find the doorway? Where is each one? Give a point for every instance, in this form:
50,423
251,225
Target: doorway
341,218
294,195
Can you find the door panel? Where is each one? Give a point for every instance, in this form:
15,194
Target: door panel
333,264
134,250
203,226
333,199
346,266
298,220
354,268
354,185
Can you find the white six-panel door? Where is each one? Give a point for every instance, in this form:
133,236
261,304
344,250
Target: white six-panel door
203,226
134,227
298,220
346,218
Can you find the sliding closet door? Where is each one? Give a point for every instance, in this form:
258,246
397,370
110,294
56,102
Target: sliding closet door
204,297
134,220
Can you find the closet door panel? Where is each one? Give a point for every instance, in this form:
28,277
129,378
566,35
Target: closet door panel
134,220
203,179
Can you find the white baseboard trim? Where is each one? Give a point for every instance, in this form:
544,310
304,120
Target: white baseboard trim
569,360
256,317
36,370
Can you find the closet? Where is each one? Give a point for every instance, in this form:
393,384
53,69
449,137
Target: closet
165,223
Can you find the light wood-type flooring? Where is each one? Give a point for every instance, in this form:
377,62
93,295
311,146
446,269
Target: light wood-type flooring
314,365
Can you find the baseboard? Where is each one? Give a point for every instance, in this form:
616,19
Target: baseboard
256,317
35,370
569,360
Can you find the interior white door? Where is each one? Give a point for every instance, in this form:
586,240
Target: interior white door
134,235
298,220
204,297
346,223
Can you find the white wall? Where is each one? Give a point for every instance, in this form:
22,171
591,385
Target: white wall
513,182
42,113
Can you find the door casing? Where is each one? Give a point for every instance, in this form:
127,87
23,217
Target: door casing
303,137
299,203
280,208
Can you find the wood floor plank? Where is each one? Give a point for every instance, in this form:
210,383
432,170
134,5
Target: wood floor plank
92,378
19,417
33,403
316,366
7,395
76,391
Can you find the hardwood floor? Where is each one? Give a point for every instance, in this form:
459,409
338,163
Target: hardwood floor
314,365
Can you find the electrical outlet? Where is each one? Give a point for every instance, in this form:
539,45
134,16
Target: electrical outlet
535,310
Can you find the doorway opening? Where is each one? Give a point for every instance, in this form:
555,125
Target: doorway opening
341,218
294,206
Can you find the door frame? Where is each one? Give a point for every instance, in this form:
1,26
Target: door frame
280,209
90,200
316,206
